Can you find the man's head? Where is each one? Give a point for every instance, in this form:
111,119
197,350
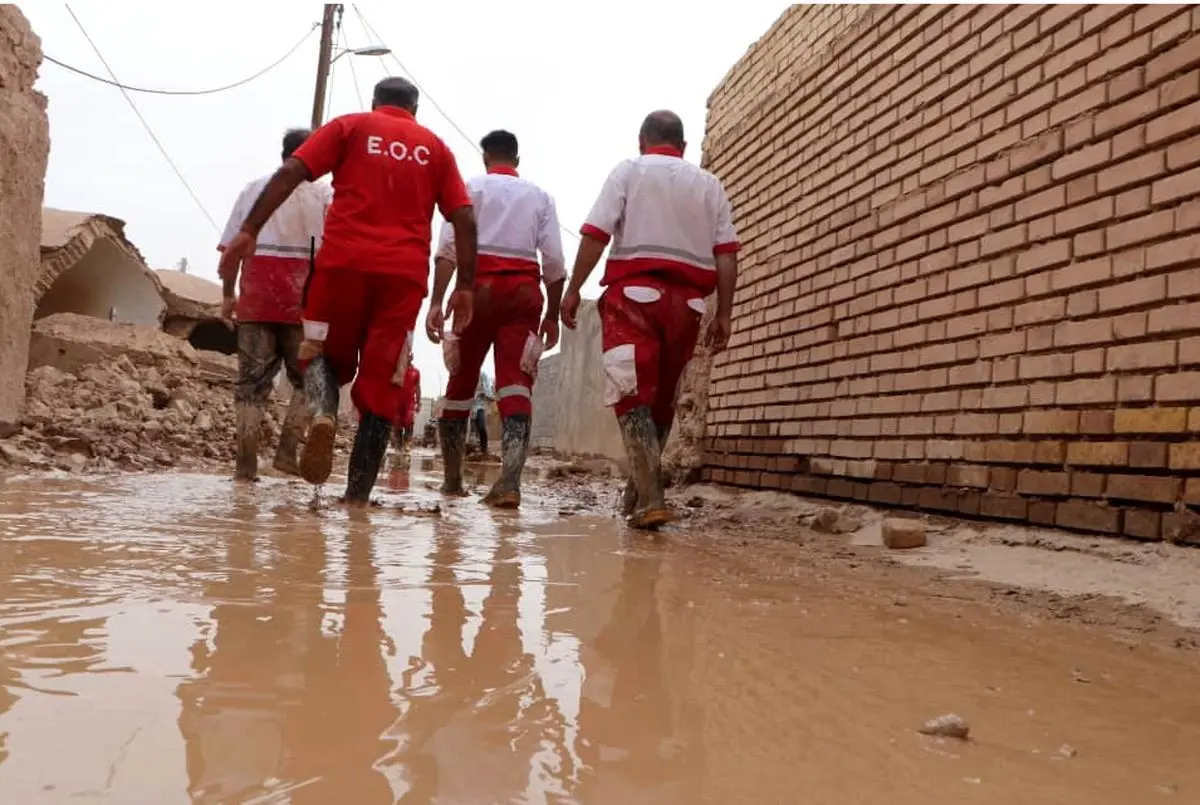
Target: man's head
396,91
661,128
293,139
500,148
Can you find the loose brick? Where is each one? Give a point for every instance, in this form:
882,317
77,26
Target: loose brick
1097,454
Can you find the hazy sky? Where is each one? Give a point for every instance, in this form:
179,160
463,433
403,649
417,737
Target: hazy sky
573,86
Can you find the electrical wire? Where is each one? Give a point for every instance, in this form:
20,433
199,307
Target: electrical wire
162,149
425,94
189,92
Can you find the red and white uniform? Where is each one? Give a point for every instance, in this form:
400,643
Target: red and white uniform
272,280
667,220
517,221
389,174
412,398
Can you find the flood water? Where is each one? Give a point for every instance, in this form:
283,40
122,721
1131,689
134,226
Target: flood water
177,639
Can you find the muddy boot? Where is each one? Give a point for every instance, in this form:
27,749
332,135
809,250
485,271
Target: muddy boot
370,445
321,390
249,428
295,422
629,497
453,435
514,442
645,466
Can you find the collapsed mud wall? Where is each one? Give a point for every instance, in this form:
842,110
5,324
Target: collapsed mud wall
24,149
971,280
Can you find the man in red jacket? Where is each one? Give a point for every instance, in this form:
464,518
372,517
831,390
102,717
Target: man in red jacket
409,407
673,245
389,174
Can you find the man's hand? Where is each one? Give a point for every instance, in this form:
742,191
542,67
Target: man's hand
435,322
718,333
228,310
462,309
239,249
549,332
570,308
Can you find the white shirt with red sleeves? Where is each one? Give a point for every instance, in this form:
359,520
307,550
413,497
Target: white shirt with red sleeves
516,221
664,215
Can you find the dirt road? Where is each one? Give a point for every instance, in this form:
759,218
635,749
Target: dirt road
171,638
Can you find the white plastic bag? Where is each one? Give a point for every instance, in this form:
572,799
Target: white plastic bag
451,353
531,354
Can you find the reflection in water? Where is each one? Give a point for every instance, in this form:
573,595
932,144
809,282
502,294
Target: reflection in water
179,639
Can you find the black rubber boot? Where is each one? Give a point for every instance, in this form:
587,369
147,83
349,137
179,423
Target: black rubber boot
370,445
295,423
453,435
321,390
249,428
645,466
514,439
629,497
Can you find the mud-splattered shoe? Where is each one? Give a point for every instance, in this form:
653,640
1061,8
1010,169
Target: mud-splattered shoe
316,459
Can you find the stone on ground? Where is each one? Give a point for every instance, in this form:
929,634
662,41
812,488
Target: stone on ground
900,534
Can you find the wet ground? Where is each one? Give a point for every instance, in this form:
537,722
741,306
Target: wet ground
176,639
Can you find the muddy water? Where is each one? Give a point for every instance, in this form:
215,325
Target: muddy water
174,639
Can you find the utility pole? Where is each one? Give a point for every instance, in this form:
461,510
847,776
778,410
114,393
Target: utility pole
323,61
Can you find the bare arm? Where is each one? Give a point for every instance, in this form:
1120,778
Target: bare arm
589,254
443,272
726,283
554,292
278,188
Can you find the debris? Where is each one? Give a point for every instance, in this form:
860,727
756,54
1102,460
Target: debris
1066,751
900,534
947,726
835,521
1079,677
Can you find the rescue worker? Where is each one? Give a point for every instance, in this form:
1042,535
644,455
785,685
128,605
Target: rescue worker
673,243
409,407
389,173
517,222
267,310
479,409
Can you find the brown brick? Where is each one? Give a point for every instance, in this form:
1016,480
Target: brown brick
968,476
1097,454
1152,489
1181,387
1153,355
1003,479
1191,491
1185,456
1148,455
1037,482
1150,420
1042,512
1051,422
1087,484
1142,524
1096,423
1082,516
1003,507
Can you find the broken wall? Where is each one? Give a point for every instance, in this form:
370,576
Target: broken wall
574,400
970,281
24,148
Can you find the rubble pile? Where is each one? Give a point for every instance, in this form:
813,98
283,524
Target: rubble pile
118,414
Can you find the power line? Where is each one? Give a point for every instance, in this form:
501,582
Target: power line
145,124
425,94
213,91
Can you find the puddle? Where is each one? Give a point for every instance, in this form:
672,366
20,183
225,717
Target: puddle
178,639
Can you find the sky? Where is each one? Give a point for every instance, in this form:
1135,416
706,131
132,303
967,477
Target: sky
573,87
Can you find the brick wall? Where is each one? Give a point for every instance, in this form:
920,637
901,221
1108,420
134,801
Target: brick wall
971,280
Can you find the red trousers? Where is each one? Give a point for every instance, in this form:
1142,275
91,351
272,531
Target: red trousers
370,320
649,326
508,311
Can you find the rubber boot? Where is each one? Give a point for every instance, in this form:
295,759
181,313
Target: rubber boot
629,496
321,390
249,428
370,445
295,422
453,435
514,442
645,466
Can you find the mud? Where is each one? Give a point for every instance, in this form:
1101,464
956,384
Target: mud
177,638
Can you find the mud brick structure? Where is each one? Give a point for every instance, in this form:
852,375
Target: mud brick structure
971,280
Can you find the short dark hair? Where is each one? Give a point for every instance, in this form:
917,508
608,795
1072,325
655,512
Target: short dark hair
293,139
663,127
397,91
500,144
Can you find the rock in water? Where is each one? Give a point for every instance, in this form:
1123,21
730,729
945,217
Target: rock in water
899,534
947,726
